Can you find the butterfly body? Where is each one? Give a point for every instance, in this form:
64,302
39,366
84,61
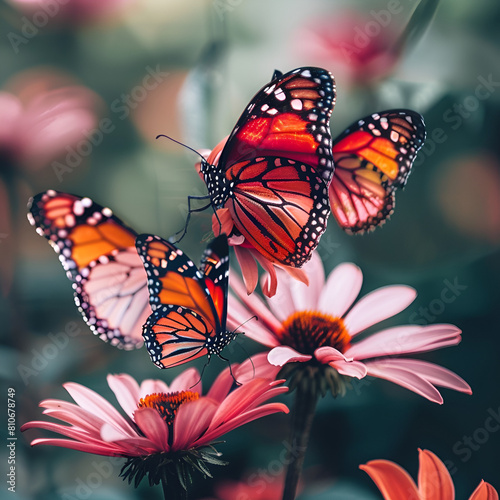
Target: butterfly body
273,173
189,304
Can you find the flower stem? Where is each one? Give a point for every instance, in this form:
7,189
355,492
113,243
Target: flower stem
173,490
302,418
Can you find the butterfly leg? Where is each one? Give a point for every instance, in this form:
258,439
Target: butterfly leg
190,210
230,370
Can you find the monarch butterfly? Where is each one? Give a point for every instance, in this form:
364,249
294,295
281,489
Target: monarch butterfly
274,171
97,251
189,305
372,158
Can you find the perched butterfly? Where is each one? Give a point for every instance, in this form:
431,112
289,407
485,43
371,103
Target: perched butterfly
189,305
97,251
275,168
372,158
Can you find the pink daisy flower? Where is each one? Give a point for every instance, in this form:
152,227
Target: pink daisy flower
166,426
319,325
246,254
434,480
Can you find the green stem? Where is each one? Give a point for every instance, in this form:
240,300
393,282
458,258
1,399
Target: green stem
173,490
302,418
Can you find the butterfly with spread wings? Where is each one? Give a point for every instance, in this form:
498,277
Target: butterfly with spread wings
275,168
189,304
97,251
372,158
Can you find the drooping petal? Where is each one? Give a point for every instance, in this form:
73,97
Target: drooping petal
405,339
405,379
283,354
341,289
269,280
392,480
248,267
434,480
192,420
484,492
126,391
435,374
377,306
350,368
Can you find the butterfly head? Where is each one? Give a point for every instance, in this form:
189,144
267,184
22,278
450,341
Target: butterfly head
218,185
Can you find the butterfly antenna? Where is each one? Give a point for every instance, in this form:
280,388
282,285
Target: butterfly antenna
248,356
245,322
182,144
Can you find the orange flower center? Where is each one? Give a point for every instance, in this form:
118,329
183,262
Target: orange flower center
305,331
167,404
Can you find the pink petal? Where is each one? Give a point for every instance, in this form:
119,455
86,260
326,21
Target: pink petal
153,427
405,339
152,386
256,367
10,111
109,451
328,354
350,368
217,431
96,404
435,374
254,304
75,420
255,329
484,492
341,289
392,480
434,480
188,380
221,386
282,302
283,354
410,381
74,410
306,297
377,306
192,420
248,268
270,280
126,390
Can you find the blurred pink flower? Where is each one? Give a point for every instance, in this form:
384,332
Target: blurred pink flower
255,487
160,418
319,324
246,254
434,480
360,48
43,116
72,11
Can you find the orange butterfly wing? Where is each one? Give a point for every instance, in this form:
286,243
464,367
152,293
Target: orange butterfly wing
98,254
372,158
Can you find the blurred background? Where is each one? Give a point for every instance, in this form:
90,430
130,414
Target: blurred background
86,86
